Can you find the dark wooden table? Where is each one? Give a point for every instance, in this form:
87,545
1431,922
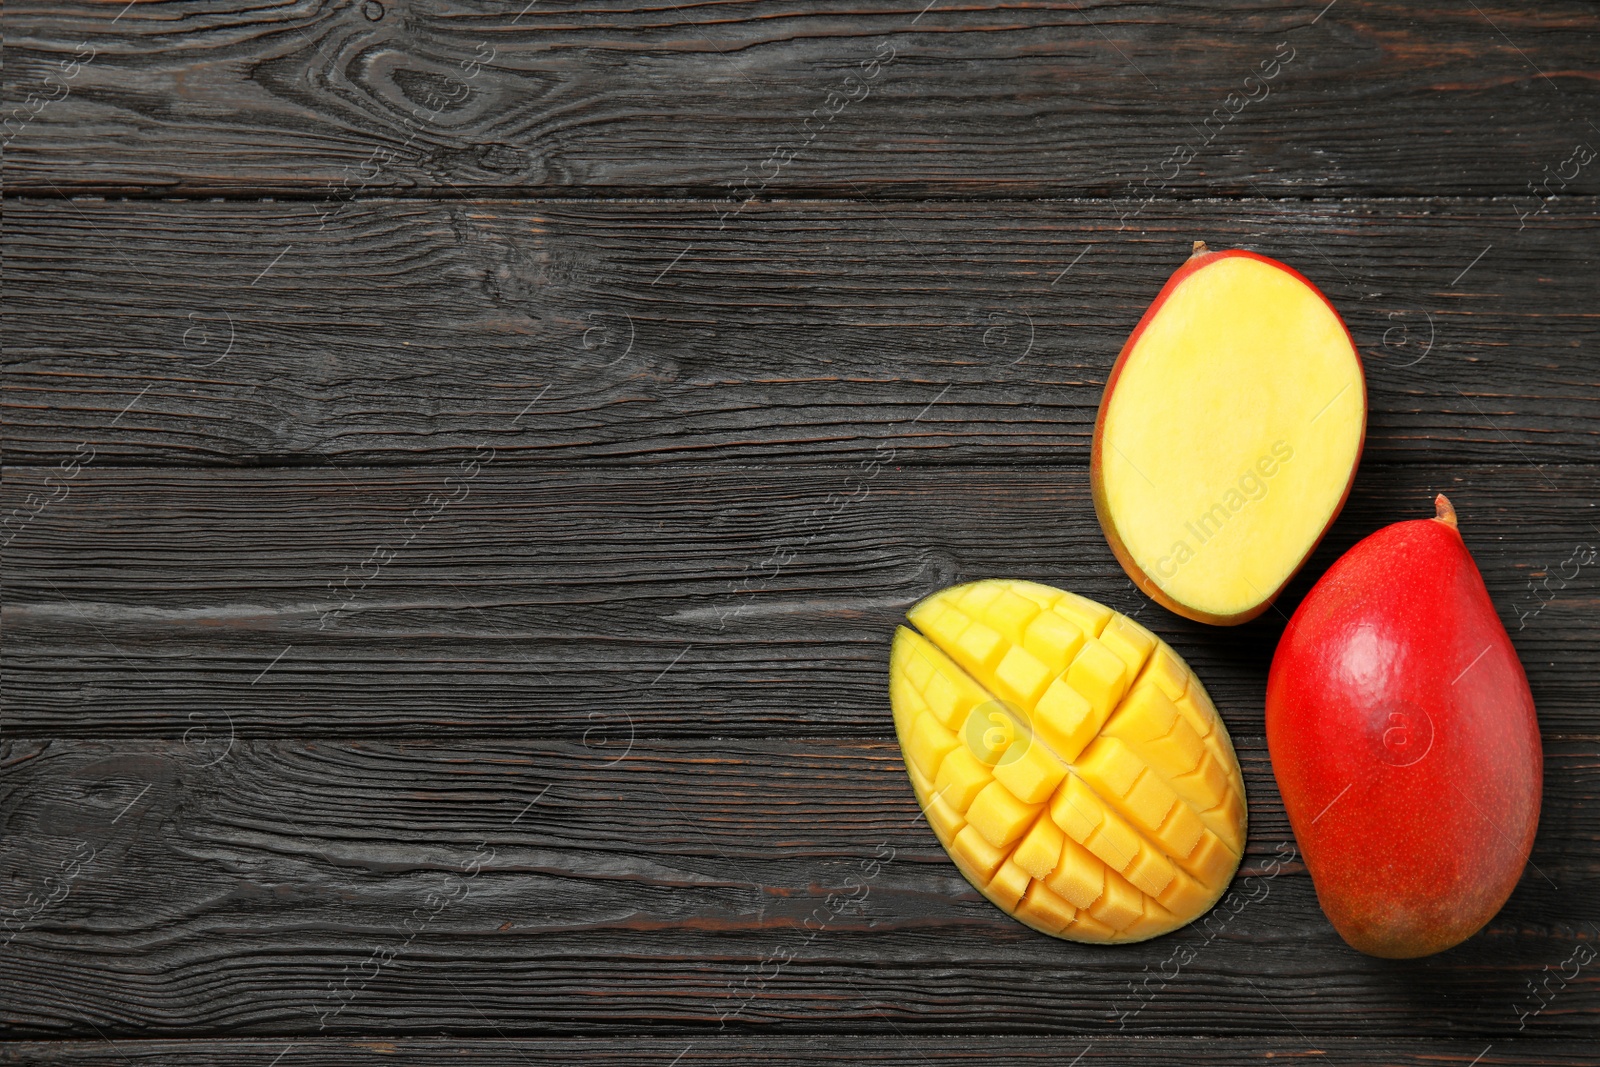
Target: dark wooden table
464,462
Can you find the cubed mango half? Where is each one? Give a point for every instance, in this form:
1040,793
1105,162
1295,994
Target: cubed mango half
1067,759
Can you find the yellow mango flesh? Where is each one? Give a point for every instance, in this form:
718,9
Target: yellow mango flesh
1229,437
1067,759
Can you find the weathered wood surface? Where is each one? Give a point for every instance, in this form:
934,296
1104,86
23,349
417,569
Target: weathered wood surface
1110,98
712,401
561,333
757,602
690,885
739,1049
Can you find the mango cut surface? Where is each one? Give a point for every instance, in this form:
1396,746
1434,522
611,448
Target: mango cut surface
1067,759
1228,436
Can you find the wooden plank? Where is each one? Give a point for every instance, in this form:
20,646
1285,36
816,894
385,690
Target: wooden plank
996,1050
630,493
718,602
562,333
314,888
735,99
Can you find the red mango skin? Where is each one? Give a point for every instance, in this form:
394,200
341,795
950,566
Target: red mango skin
1405,744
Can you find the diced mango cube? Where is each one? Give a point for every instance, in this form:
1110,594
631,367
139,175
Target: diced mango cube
1168,672
949,690
1079,877
1030,770
976,597
1181,832
1199,712
1100,676
979,648
1089,616
907,703
1064,719
929,743
943,817
1206,786
911,662
977,855
947,700
999,816
1115,842
1155,920
1184,895
1021,676
1040,848
1053,640
1043,595
1087,928
1210,862
1120,905
1149,801
1076,809
1144,715
1110,767
989,731
1176,754
919,781
1043,908
1196,694
1009,883
1130,641
943,625
1150,871
1010,614
1227,821
961,778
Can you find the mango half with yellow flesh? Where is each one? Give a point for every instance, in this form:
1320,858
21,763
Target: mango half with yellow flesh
1228,435
1067,759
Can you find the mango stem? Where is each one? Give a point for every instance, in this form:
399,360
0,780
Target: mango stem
1444,511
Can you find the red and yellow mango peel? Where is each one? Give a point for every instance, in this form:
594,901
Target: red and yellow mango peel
1404,741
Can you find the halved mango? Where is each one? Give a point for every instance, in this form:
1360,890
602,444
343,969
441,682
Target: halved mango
1228,435
1101,803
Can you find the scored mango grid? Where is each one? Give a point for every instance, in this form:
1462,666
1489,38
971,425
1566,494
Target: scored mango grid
1147,860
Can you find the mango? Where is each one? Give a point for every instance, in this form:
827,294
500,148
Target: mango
1405,742
1067,759
1228,435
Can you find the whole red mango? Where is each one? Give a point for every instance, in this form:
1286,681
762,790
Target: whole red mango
1404,741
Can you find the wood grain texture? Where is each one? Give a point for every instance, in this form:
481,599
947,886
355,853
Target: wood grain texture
997,1050
298,888
756,602
445,610
328,98
561,334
